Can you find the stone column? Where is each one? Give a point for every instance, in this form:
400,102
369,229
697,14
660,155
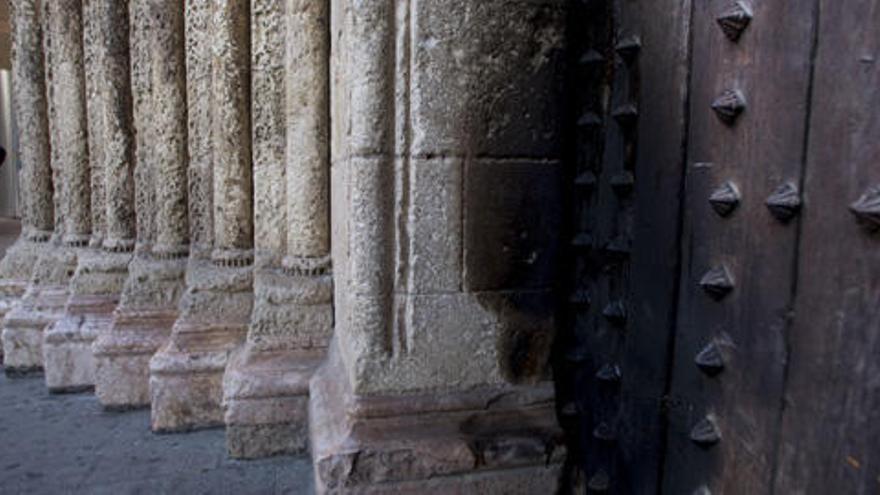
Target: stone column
45,298
446,183
186,374
148,307
30,108
103,267
266,382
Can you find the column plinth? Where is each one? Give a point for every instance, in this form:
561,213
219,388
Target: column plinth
501,439
186,373
142,322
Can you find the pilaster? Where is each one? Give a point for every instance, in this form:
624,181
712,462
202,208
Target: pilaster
446,184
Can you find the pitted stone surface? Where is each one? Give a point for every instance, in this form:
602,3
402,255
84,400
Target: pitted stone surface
31,114
231,125
68,92
95,106
167,107
68,444
446,174
199,111
111,24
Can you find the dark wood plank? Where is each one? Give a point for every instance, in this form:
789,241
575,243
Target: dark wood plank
761,150
831,427
660,88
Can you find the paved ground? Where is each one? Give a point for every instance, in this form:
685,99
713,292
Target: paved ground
57,444
67,444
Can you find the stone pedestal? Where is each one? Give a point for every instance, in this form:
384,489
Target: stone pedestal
446,193
41,305
502,439
186,375
67,347
15,270
141,325
266,384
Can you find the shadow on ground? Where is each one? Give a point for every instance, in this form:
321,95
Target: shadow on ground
57,444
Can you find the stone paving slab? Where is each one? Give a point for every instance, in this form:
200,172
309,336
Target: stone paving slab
67,444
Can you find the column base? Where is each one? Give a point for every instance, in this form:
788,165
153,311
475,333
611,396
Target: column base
186,375
15,271
23,329
186,378
68,361
266,396
122,357
10,293
492,440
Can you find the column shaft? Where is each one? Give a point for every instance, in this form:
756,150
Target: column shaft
231,132
199,104
268,45
30,107
142,89
94,81
69,101
307,115
117,116
168,104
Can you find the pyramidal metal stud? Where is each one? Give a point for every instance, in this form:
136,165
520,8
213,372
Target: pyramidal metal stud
729,106
587,180
591,57
717,282
703,490
589,119
609,373
785,202
599,482
622,183
619,247
576,355
628,48
867,209
735,20
581,297
710,359
615,312
725,199
626,114
604,432
583,240
705,433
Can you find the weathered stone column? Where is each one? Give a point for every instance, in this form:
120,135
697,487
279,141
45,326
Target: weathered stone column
186,374
266,382
47,293
148,307
103,267
30,107
446,191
